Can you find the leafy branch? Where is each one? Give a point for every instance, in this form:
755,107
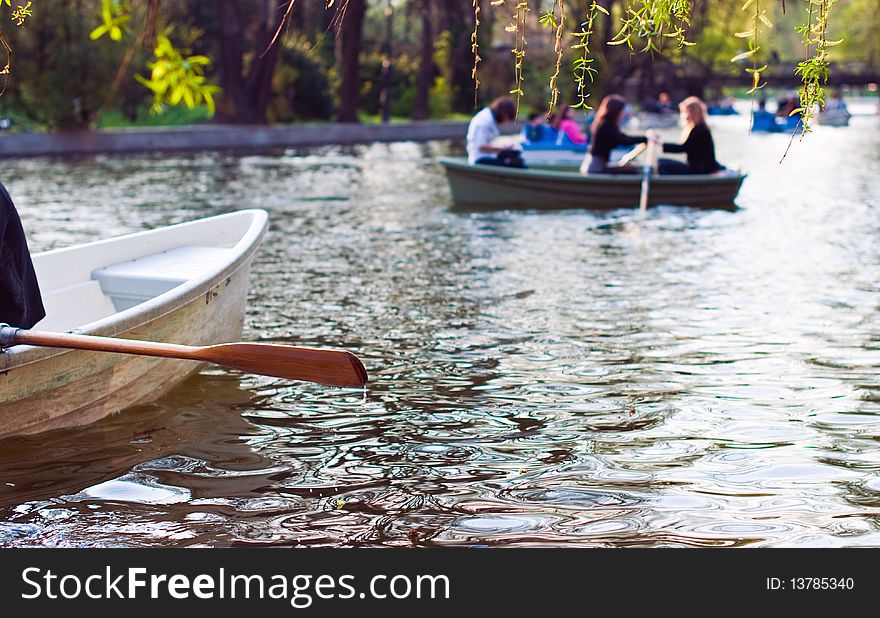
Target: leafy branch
583,64
177,78
549,20
653,21
518,27
813,70
475,48
759,18
20,14
115,15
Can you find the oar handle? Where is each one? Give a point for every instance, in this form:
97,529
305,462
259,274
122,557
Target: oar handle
10,336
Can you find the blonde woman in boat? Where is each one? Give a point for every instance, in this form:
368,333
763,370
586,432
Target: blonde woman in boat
697,143
606,136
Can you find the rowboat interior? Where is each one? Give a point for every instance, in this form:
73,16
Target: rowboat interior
83,285
184,283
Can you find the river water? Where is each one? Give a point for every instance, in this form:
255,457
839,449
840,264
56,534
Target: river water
693,378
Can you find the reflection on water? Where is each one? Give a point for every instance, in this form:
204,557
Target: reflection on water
690,379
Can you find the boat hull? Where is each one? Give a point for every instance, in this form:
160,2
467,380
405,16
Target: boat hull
488,187
43,389
833,118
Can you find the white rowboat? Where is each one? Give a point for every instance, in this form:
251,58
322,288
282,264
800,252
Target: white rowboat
184,283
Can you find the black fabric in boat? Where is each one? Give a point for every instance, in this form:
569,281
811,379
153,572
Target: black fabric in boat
20,301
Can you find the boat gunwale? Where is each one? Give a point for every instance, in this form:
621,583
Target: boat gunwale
159,306
461,164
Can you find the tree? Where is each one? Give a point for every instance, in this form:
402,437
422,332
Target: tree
630,44
66,72
421,108
350,21
247,86
459,22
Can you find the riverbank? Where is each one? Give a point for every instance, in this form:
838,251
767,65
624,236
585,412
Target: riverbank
220,137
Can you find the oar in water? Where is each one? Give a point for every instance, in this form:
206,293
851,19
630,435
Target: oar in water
325,366
646,177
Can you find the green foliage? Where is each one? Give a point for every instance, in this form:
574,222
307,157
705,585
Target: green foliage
440,98
583,64
518,28
860,20
300,86
565,61
115,15
651,22
61,77
143,117
475,47
759,19
20,14
404,77
549,20
176,77
813,71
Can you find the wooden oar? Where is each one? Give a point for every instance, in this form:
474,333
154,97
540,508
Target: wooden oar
325,366
632,154
646,177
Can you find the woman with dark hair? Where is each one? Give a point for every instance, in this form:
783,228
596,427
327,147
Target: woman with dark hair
607,136
20,302
697,145
483,128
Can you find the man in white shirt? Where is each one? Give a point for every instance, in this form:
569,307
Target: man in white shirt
483,128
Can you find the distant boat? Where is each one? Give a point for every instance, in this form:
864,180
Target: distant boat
654,120
721,110
184,283
838,117
769,123
501,188
552,152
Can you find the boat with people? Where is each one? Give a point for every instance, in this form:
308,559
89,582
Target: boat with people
556,149
655,120
836,117
502,188
185,283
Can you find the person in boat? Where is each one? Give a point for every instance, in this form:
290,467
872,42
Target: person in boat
663,105
563,121
606,136
697,145
762,120
836,103
786,105
536,129
20,302
484,128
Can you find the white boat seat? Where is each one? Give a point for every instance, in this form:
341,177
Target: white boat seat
136,281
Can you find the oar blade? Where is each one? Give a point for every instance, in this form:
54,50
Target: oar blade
321,365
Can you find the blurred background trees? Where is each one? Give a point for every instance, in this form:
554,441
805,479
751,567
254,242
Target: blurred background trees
334,63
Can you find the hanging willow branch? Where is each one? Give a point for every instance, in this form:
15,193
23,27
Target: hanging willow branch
518,28
759,18
475,49
583,64
549,20
653,21
813,70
